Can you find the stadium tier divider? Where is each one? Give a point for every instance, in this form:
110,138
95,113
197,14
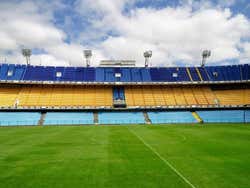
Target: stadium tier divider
162,117
224,116
247,116
19,118
122,117
69,118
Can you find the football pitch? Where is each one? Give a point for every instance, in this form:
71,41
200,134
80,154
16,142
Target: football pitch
169,156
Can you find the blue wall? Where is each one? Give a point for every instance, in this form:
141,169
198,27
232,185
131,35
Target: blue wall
226,116
19,118
121,117
68,118
171,117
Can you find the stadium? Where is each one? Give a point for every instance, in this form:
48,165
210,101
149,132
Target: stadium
119,125
124,94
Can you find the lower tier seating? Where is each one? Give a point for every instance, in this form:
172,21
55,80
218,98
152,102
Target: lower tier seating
19,118
121,118
68,118
171,117
226,116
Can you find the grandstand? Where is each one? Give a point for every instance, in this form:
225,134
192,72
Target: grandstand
133,95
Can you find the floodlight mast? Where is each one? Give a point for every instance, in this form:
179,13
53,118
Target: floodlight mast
205,54
87,55
27,53
147,55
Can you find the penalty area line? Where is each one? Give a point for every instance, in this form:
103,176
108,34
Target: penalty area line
163,159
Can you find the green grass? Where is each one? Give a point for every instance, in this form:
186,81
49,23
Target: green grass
209,156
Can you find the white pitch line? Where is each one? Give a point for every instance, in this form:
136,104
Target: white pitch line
163,159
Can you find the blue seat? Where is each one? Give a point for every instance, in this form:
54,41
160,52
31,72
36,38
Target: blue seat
183,75
204,74
100,75
171,117
109,75
161,74
89,74
145,74
194,74
245,71
38,73
136,75
234,72
19,118
3,71
16,72
215,73
19,72
118,93
222,116
68,118
79,74
121,118
69,74
125,75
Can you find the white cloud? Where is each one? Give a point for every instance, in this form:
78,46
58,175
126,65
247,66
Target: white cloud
174,34
31,27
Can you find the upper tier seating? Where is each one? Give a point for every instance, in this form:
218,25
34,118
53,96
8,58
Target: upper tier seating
226,116
68,118
121,118
171,117
132,74
19,118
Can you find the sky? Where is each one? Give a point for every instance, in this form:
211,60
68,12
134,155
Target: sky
177,31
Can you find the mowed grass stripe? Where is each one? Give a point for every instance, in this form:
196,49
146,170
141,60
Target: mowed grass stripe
132,164
54,157
166,162
214,155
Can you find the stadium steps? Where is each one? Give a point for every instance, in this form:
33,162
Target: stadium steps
95,114
197,117
146,117
199,74
42,118
189,74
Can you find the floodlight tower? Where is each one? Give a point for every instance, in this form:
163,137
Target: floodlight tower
147,55
205,54
87,55
27,53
